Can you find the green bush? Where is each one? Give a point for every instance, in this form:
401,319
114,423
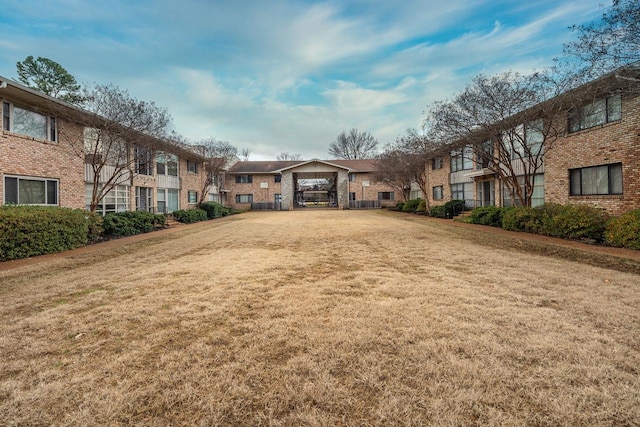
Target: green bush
399,206
35,230
529,220
438,212
215,210
190,216
624,231
422,207
131,222
411,205
575,222
453,208
488,215
94,225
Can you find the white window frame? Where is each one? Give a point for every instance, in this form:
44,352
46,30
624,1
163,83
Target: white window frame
192,197
192,167
8,117
32,178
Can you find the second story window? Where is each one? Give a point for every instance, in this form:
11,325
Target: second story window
244,179
352,177
277,178
166,164
436,163
462,159
599,112
144,160
29,123
192,166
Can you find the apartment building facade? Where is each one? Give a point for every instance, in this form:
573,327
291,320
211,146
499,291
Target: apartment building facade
44,160
287,185
593,160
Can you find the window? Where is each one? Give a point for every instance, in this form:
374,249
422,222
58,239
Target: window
116,200
30,191
192,197
244,198
352,197
27,122
144,199
277,178
385,195
166,164
537,197
462,159
596,180
244,179
437,192
214,198
168,200
436,163
352,177
192,167
144,160
599,112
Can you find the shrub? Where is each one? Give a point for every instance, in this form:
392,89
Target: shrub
215,210
438,212
488,215
94,225
399,206
453,208
624,231
529,220
190,216
35,230
422,207
575,222
410,205
131,222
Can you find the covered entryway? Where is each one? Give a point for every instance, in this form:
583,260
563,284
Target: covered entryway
315,184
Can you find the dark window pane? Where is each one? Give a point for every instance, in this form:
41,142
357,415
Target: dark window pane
11,190
52,192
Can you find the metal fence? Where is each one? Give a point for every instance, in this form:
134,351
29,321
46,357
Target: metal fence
364,204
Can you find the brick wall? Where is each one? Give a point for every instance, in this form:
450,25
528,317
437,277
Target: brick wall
616,142
260,195
439,177
29,157
371,191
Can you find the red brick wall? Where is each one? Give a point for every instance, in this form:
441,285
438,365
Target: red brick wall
260,195
616,142
29,157
439,177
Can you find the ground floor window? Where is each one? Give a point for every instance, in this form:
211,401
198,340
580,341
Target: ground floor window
116,200
168,200
385,195
192,197
463,191
244,198
213,198
30,190
437,192
537,197
144,199
596,180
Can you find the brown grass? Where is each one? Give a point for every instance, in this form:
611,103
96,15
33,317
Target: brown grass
319,318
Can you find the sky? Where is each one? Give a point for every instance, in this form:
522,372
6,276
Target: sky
275,76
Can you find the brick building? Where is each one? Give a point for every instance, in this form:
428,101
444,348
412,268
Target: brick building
594,159
286,185
45,160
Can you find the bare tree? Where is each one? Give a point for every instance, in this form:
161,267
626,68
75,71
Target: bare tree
115,134
504,124
49,77
610,42
354,145
288,156
394,168
217,157
244,154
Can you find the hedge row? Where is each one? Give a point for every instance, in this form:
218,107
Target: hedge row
35,230
131,222
448,210
215,210
565,221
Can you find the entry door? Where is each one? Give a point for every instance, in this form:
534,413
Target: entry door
486,193
143,199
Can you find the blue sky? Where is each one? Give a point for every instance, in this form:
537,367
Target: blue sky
289,75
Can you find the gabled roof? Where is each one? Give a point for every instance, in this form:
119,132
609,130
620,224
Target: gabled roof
277,166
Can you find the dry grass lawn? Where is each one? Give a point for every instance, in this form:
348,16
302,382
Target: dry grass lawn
319,318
